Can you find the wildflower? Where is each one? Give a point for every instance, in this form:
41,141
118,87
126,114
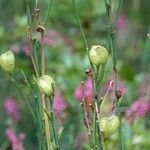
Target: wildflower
140,107
26,49
12,109
85,93
14,48
122,21
121,89
87,90
51,38
16,141
59,104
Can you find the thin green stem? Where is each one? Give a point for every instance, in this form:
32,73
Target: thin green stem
113,47
53,123
24,97
28,9
82,31
49,10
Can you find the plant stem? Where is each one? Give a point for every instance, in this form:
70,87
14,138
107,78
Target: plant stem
49,10
113,47
82,31
47,127
24,97
53,123
46,120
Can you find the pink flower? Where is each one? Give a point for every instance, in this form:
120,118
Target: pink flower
87,90
50,41
109,88
26,50
140,107
16,141
59,104
120,86
51,38
122,21
11,135
12,109
15,48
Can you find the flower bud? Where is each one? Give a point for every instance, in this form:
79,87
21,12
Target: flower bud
7,61
98,55
109,125
45,84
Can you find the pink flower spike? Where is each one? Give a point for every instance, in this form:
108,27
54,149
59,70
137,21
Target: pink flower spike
26,50
140,107
59,104
11,135
87,90
12,109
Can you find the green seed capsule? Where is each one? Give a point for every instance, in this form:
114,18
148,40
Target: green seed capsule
45,84
7,61
109,125
98,55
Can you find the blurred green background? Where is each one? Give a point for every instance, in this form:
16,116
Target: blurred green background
66,61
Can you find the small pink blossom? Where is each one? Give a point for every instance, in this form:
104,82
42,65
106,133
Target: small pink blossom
120,86
12,109
51,38
87,90
59,104
52,33
16,141
50,41
15,48
122,21
26,50
11,135
140,107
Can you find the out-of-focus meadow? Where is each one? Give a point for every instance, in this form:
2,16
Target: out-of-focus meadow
66,62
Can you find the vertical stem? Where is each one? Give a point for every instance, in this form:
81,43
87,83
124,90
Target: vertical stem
82,31
46,121
42,54
47,127
53,123
112,46
49,10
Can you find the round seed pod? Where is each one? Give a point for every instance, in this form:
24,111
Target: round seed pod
7,61
45,84
98,55
109,125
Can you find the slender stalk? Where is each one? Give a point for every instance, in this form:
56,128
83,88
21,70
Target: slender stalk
82,31
46,121
49,10
47,127
113,47
42,54
53,123
24,97
86,116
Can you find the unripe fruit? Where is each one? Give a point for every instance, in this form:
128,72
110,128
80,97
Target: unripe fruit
45,84
7,61
109,125
98,55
